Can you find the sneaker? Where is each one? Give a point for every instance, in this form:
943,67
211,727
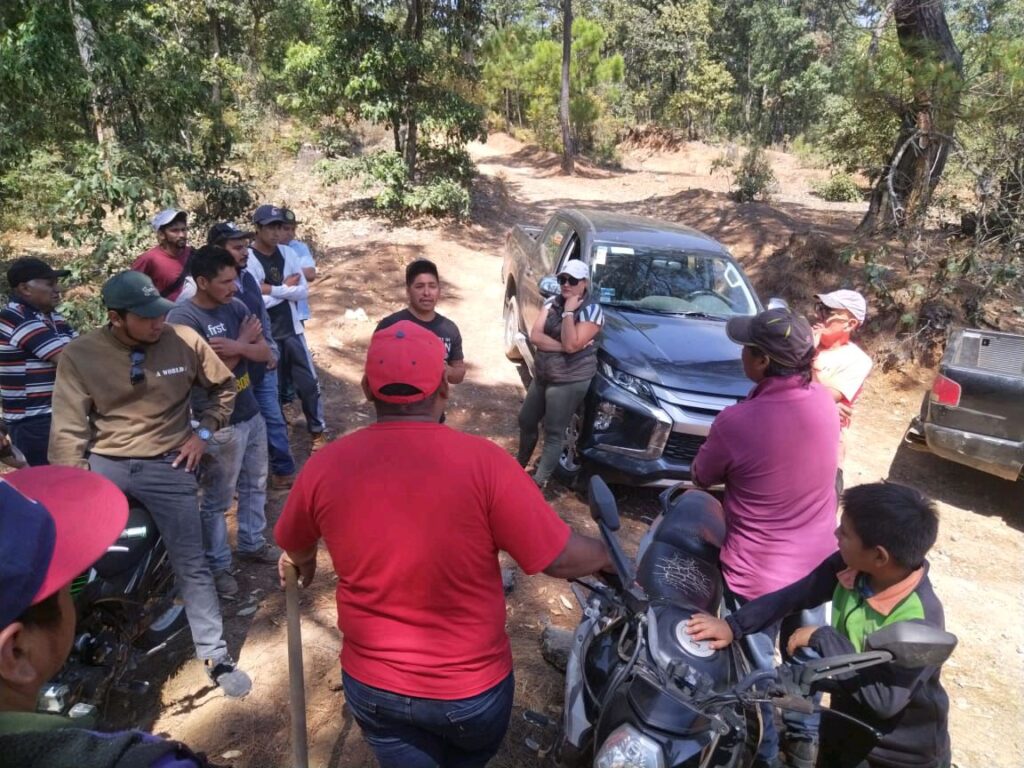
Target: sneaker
317,440
800,753
225,583
226,675
266,555
281,482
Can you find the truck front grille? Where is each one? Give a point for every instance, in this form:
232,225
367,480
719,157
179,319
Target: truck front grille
682,447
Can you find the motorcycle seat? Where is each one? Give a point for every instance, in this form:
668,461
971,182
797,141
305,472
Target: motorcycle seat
684,576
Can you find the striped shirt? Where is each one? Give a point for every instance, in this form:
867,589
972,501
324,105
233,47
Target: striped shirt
29,344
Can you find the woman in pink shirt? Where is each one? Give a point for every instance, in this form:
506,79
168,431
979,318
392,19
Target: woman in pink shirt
776,454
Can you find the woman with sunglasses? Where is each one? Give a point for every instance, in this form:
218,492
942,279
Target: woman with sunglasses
565,362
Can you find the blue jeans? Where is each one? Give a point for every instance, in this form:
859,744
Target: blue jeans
407,732
280,452
760,651
236,456
32,437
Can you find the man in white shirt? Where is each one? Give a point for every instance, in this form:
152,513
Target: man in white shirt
840,365
276,267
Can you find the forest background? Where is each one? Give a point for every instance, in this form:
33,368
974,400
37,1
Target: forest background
111,109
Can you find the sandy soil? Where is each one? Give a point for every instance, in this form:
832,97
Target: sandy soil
976,565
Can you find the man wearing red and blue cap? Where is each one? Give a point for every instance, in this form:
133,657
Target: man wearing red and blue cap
55,522
413,526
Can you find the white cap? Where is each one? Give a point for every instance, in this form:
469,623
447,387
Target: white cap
165,217
576,268
851,301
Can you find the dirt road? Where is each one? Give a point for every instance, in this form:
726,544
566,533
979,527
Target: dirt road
976,565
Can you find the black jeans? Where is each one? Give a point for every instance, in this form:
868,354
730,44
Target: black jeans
31,436
296,365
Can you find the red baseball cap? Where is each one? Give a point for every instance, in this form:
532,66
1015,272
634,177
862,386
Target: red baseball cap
55,522
405,353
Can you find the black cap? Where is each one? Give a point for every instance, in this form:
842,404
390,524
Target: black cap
134,292
29,268
783,335
225,231
289,216
267,214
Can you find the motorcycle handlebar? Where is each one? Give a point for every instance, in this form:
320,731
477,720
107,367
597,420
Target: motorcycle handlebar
794,704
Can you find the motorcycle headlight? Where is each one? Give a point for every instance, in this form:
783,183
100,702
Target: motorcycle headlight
628,748
628,382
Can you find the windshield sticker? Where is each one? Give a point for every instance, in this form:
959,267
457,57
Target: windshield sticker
607,294
620,250
732,277
600,256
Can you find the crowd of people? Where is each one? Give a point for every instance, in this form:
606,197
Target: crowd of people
179,401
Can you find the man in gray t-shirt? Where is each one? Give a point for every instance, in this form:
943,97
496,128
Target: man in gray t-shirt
423,288
237,454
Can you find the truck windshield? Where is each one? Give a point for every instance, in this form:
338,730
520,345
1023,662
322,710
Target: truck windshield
669,282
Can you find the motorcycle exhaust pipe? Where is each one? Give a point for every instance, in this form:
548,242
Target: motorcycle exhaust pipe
296,680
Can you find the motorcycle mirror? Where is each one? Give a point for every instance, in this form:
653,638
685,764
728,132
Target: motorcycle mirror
912,644
606,514
603,508
548,286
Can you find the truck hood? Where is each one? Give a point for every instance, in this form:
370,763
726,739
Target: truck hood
686,353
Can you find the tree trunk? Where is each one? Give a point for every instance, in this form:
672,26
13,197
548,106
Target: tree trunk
568,164
410,148
85,39
215,51
903,192
413,31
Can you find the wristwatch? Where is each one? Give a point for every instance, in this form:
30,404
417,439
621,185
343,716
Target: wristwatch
204,434
567,314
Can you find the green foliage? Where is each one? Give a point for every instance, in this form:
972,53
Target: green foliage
405,66
522,81
35,186
753,178
840,188
441,195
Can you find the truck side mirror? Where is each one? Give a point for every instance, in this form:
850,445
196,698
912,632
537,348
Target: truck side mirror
912,644
548,286
777,303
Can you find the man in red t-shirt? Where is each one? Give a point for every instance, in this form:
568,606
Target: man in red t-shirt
413,514
167,263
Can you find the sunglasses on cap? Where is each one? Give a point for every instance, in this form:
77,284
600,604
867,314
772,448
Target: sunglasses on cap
137,374
567,280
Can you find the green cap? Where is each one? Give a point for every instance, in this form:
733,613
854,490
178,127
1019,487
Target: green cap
135,293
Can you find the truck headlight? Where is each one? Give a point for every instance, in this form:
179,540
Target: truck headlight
628,382
628,748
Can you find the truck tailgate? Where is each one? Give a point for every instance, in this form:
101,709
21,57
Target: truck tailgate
989,367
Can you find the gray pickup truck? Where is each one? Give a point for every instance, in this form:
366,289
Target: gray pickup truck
974,413
665,365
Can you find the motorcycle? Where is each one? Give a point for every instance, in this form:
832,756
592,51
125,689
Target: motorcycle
126,611
641,693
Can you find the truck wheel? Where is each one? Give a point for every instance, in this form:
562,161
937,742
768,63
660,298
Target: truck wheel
512,330
570,464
